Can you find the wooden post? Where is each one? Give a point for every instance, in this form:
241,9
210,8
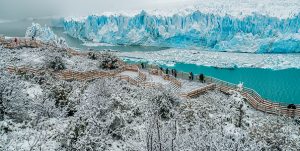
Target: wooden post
265,108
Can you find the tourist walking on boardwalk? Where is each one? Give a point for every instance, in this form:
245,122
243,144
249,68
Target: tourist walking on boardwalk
201,78
143,66
291,109
16,41
167,71
175,73
191,76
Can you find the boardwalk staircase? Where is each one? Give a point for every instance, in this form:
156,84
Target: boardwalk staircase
199,91
256,101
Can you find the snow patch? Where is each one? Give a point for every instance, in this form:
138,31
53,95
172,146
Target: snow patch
34,91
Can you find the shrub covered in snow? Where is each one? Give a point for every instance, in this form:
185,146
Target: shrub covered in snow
93,55
43,113
55,62
108,61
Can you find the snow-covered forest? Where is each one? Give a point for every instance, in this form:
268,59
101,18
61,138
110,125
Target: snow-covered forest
40,112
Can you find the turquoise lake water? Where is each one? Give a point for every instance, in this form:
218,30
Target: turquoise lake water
73,42
275,85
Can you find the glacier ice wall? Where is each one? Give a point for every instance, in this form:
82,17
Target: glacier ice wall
254,33
44,34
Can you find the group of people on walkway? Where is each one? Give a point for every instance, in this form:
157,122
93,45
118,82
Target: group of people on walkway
167,71
16,40
200,77
174,73
191,74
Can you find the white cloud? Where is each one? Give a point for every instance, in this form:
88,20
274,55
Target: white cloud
12,9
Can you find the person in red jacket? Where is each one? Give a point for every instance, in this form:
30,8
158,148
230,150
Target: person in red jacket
16,41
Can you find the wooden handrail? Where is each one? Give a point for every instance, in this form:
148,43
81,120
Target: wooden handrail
199,91
251,96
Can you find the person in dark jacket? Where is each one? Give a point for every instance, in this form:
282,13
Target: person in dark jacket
16,40
201,78
175,73
143,66
191,76
167,71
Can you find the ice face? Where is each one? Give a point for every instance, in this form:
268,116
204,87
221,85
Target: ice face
44,34
255,33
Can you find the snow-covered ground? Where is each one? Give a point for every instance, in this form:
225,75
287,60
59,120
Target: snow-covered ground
188,86
131,74
217,59
156,79
111,114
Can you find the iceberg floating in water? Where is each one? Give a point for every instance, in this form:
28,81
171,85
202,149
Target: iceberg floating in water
172,56
44,34
254,33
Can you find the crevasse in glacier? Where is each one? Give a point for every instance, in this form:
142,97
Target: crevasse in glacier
44,34
254,33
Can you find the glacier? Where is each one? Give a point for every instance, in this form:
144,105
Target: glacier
254,33
44,34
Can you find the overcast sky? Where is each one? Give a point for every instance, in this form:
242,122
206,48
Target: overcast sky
16,9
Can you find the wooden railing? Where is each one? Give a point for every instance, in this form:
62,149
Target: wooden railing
24,70
134,68
167,77
76,53
175,81
21,42
255,100
64,74
87,76
251,96
199,91
83,76
152,84
142,76
127,78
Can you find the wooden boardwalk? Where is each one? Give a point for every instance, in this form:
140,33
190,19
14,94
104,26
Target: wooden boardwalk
199,91
256,101
21,42
251,96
